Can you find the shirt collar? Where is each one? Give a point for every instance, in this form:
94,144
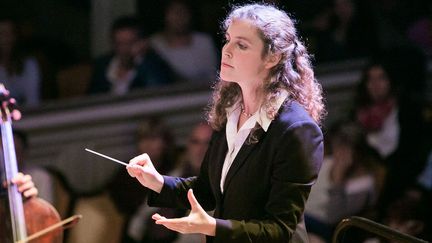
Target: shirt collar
261,116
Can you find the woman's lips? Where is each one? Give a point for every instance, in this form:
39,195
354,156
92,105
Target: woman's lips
226,65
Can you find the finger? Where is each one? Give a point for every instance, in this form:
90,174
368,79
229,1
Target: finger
193,201
157,216
33,192
135,170
140,160
26,186
174,221
131,170
18,178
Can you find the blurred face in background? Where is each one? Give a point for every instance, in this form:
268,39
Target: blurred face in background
177,18
378,84
197,145
344,9
124,44
154,146
342,153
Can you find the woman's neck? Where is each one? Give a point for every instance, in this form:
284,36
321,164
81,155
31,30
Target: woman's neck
252,99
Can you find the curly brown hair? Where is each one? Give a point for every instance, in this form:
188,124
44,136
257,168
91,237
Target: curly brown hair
293,73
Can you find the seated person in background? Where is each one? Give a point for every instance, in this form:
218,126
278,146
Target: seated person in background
18,72
154,137
409,214
376,108
40,175
346,184
191,55
196,147
392,118
190,165
131,64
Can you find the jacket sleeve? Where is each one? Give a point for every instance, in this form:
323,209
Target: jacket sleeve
174,190
298,158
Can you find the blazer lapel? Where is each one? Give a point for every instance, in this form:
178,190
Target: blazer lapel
241,157
221,152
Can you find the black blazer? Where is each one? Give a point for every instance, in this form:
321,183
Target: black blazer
267,186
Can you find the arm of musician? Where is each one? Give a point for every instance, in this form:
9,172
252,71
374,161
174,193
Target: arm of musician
142,168
25,185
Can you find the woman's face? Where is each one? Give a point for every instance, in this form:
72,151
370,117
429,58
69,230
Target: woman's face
242,61
378,84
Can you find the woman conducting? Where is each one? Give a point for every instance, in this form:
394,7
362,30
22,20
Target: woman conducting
266,148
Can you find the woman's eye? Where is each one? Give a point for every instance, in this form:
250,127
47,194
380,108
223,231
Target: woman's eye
242,46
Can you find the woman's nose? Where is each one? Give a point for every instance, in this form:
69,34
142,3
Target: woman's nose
227,53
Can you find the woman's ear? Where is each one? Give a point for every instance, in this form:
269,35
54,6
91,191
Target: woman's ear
272,60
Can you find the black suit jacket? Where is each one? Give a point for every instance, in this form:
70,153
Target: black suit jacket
266,187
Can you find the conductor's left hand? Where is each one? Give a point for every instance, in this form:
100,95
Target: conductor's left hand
198,221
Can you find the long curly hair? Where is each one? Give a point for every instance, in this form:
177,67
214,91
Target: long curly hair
293,73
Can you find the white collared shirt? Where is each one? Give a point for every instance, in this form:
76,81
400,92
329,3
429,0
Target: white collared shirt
235,139
120,85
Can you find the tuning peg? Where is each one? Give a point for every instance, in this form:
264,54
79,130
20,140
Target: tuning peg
13,108
4,93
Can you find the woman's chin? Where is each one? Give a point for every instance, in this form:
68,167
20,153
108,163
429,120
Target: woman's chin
225,78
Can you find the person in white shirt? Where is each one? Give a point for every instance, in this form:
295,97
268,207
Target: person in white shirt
347,184
18,72
190,54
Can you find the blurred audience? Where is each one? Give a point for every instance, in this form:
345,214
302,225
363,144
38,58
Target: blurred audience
348,184
42,178
190,54
425,177
131,64
343,29
389,107
196,147
420,32
154,138
376,108
398,21
18,71
189,165
409,214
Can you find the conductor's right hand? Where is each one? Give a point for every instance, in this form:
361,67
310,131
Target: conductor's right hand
143,170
